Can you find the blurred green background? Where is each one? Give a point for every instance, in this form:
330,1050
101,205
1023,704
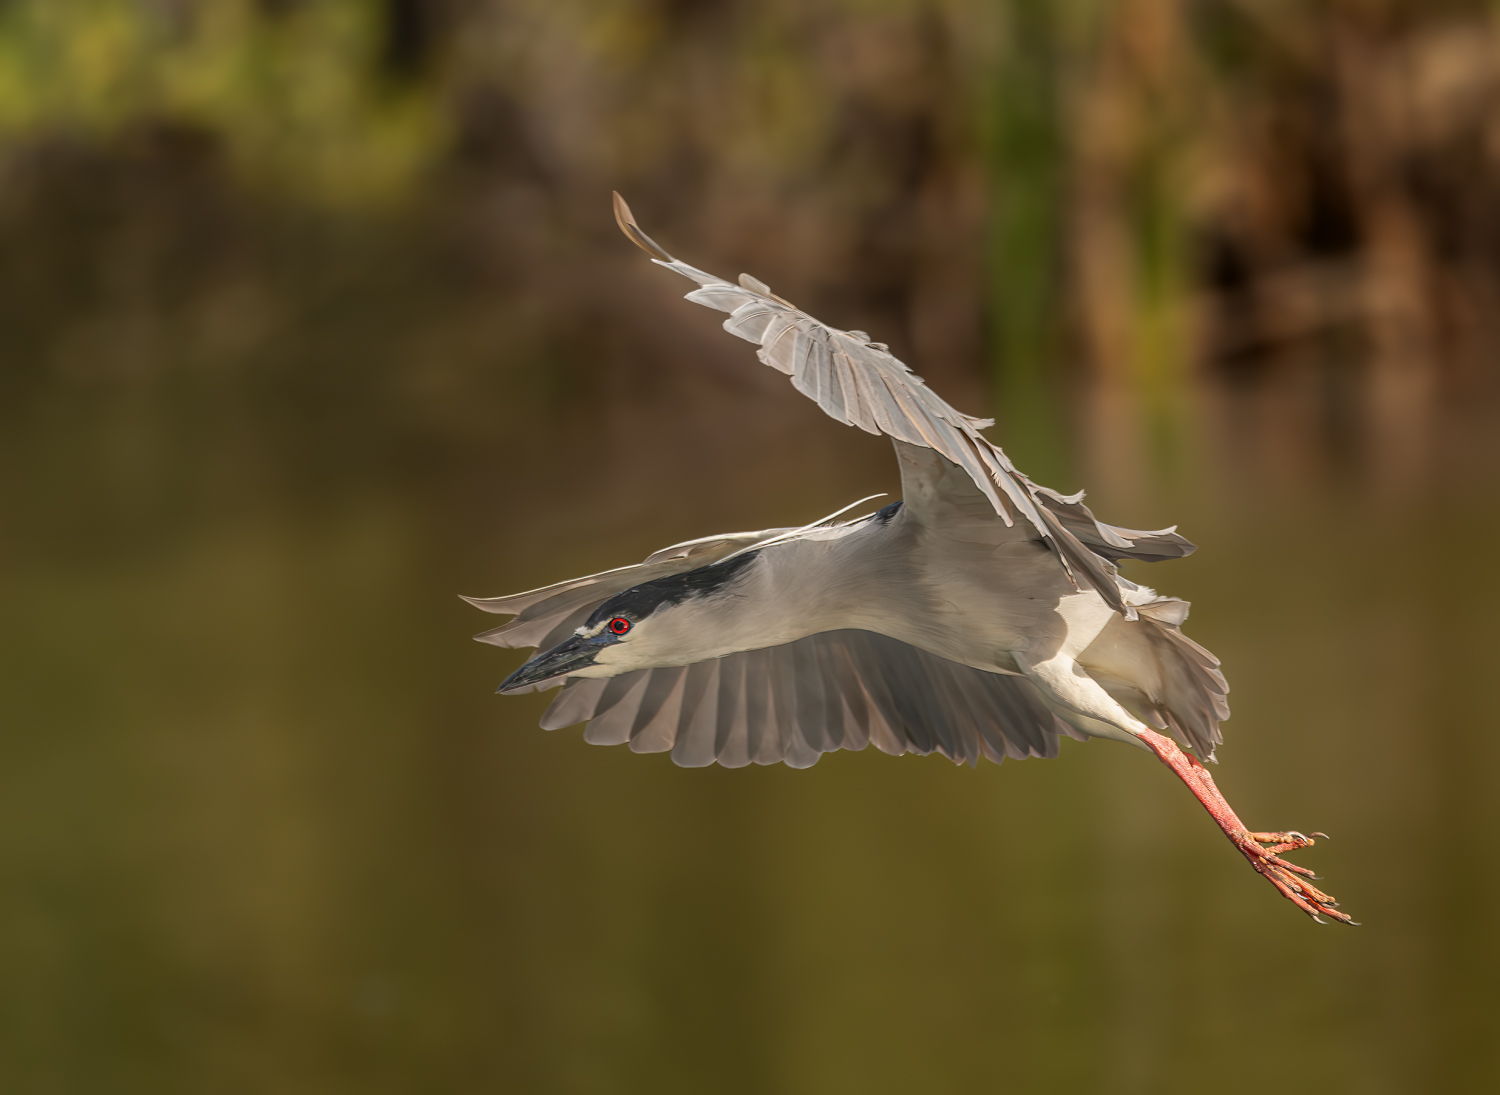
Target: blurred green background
313,315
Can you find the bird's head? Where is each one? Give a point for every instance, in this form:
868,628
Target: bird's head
672,621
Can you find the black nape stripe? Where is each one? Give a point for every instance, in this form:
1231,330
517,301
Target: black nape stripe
644,599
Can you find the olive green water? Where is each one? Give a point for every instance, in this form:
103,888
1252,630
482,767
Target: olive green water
265,829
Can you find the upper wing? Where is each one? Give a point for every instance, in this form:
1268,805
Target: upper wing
939,494
546,616
859,383
793,703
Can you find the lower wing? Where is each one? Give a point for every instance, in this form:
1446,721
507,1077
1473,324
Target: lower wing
793,703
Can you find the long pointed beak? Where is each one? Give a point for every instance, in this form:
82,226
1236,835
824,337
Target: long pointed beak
566,657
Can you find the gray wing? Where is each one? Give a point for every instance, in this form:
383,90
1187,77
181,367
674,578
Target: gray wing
860,383
793,703
939,494
546,616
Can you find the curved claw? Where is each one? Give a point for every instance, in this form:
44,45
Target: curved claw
1292,881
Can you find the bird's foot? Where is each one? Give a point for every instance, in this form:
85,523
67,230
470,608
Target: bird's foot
1263,850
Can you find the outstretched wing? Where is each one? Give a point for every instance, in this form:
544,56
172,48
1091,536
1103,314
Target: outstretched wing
793,703
859,383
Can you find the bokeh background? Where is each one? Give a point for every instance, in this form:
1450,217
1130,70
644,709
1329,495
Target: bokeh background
313,316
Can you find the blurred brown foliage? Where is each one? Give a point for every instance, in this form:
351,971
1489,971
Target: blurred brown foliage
1133,203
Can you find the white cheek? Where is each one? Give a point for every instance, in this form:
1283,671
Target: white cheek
613,660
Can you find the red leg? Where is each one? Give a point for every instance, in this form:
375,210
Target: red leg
1263,850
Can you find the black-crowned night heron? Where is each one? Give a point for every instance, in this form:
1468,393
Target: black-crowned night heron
980,616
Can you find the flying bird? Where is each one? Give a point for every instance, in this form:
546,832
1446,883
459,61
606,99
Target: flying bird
982,615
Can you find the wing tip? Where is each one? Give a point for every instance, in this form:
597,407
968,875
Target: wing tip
501,605
626,220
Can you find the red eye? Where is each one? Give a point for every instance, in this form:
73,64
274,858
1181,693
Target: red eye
619,625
